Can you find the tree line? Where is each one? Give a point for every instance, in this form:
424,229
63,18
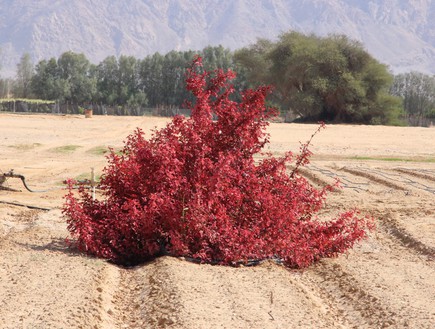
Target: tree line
332,78
127,83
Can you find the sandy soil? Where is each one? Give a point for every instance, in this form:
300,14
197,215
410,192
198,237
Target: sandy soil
386,281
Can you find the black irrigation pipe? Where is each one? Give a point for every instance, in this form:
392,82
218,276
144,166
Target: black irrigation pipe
25,205
344,181
399,178
249,262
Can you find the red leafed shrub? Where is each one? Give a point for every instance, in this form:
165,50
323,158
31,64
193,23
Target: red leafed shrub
193,189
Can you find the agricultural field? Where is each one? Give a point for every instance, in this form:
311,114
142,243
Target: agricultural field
387,281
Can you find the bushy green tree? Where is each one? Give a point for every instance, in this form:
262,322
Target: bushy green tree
46,83
173,85
107,80
151,81
118,82
74,72
316,78
68,79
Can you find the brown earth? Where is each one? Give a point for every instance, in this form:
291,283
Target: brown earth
386,281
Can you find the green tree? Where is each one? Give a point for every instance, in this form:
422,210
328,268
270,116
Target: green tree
150,78
4,82
118,83
46,83
417,90
315,78
173,68
107,80
255,62
129,92
77,84
131,84
25,72
127,79
161,77
5,88
217,58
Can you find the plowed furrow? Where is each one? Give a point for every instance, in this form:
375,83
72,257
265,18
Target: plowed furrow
392,179
374,178
419,173
399,275
345,181
316,179
357,307
146,298
182,294
107,285
393,228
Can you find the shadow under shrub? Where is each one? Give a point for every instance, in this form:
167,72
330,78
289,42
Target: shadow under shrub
193,189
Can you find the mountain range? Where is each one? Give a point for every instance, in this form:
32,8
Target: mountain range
399,33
